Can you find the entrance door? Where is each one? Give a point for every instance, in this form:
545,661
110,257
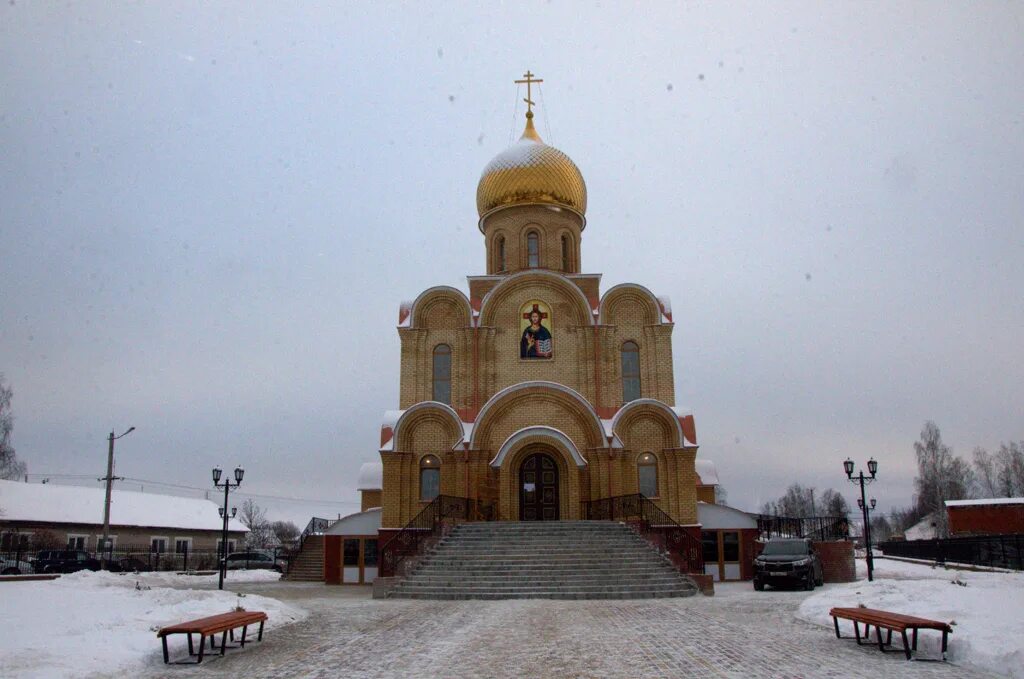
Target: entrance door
538,489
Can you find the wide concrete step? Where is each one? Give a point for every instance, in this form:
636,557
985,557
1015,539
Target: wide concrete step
542,594
661,581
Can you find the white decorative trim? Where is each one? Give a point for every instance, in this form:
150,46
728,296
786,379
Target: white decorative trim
527,385
543,273
658,404
538,430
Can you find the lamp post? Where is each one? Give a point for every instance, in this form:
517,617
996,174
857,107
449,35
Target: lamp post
227,486
863,504
109,478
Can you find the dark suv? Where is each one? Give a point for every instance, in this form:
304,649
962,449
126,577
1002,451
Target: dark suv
64,561
260,560
787,561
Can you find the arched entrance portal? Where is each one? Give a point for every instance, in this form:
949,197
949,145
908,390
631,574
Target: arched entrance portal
538,488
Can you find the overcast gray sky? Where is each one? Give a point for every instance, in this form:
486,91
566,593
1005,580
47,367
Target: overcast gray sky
209,214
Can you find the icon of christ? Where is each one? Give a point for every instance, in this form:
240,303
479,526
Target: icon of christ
536,338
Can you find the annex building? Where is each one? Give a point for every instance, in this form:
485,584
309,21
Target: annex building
536,389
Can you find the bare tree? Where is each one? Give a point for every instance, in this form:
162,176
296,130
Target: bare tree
254,518
834,504
286,532
881,529
1010,466
721,495
941,476
10,466
799,502
985,477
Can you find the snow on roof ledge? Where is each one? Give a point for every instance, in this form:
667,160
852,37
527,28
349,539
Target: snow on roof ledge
986,501
371,476
707,472
53,503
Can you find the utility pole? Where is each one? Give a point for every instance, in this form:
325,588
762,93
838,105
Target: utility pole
109,478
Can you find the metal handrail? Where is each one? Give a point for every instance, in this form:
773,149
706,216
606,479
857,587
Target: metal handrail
654,523
426,525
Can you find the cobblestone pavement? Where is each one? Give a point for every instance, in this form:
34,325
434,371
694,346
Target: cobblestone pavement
737,633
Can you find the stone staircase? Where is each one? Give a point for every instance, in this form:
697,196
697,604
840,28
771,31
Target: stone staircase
544,560
308,566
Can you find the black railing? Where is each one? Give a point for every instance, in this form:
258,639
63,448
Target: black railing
130,557
443,512
995,551
819,528
654,524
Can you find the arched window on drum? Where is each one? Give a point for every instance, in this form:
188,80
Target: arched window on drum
630,372
430,478
647,474
532,249
442,389
502,263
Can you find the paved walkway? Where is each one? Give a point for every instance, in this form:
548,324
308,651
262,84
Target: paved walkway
737,633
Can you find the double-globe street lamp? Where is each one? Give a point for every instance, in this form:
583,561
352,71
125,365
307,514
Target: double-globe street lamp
227,486
863,504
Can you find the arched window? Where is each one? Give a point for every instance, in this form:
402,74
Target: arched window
647,474
443,374
430,478
501,254
532,249
565,253
630,372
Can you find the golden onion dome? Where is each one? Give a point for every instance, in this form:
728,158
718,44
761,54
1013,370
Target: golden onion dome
528,172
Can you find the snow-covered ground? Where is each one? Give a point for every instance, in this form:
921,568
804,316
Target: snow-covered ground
985,610
88,623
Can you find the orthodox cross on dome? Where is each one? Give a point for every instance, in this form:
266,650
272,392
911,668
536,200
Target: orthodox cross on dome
529,80
535,310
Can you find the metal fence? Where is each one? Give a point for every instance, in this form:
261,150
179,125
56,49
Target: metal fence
996,551
819,528
142,557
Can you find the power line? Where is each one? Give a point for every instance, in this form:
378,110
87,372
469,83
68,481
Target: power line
205,491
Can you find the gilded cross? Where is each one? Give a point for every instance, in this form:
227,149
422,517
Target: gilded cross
535,309
529,94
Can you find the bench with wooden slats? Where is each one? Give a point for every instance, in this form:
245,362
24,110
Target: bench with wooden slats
891,622
209,627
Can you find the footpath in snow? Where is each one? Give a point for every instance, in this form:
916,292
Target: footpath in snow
985,610
87,623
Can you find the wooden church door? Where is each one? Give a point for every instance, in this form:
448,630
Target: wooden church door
538,489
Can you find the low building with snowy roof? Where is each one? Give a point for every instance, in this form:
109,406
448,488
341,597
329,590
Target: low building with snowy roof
986,516
51,515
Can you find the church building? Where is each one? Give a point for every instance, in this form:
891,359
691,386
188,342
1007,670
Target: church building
535,391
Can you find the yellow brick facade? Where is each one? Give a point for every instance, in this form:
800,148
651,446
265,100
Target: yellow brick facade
492,409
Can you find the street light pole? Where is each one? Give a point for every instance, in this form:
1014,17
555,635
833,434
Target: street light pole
227,486
863,504
109,478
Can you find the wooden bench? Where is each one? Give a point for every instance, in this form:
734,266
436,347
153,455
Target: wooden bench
211,626
891,622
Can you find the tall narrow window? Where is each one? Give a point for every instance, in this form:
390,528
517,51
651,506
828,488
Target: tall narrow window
430,478
443,374
532,249
565,253
501,254
647,473
630,372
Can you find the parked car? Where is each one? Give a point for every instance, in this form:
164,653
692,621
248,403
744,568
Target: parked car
788,561
14,567
129,564
64,561
260,560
